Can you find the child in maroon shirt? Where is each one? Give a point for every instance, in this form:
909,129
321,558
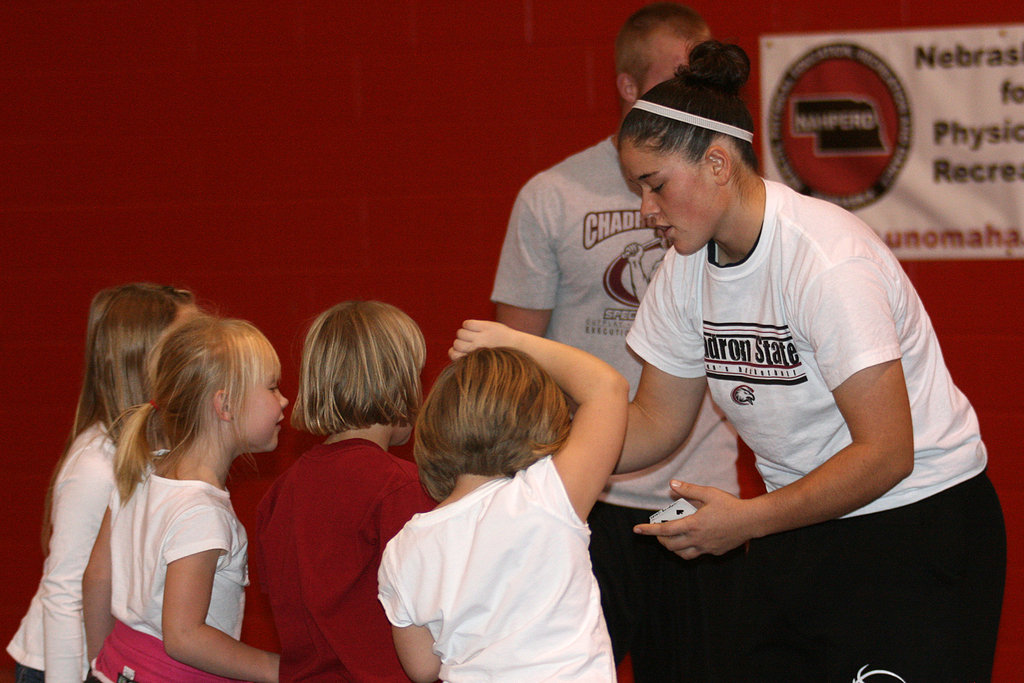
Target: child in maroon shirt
324,523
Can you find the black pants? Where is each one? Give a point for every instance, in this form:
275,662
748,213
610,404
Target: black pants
26,674
916,591
675,617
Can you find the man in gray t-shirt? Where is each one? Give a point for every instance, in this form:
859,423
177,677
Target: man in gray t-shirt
575,263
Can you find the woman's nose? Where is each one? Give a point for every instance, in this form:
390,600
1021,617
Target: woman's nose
648,209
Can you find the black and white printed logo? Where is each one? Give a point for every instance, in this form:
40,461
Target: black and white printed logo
626,278
752,354
839,125
743,395
630,270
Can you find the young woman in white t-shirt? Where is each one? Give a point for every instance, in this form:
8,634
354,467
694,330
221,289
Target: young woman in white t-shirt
164,589
124,322
880,542
495,583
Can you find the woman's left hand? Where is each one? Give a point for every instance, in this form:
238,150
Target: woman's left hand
719,525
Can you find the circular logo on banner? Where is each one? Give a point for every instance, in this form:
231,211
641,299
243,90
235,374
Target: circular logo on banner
839,125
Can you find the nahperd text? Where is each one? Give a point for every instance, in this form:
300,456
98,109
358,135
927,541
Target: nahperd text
848,119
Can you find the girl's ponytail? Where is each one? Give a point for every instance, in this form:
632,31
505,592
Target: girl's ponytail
135,448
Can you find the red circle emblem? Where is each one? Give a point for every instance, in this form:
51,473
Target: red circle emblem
839,125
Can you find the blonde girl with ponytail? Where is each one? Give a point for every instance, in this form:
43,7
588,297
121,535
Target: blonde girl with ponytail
164,589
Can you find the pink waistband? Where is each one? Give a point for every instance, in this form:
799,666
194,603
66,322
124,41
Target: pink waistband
145,655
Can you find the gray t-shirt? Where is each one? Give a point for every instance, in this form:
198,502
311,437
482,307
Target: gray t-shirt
577,245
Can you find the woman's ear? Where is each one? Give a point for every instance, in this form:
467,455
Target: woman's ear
719,162
220,405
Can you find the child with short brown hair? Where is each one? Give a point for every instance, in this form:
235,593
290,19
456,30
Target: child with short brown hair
322,526
495,584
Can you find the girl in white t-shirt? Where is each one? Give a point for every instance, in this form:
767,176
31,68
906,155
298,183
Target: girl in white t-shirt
164,589
124,322
495,583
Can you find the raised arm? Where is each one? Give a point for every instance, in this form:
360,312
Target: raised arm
529,320
595,440
661,416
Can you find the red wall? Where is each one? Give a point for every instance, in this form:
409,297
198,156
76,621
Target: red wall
280,156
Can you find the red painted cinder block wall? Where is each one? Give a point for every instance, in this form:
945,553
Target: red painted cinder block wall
279,156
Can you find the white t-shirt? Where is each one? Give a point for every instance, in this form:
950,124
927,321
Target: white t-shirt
52,635
819,298
166,520
577,245
502,580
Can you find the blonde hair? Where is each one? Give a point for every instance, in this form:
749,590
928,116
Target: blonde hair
492,412
631,45
124,324
361,365
191,362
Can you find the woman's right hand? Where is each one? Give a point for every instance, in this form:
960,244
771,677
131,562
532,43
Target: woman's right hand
722,522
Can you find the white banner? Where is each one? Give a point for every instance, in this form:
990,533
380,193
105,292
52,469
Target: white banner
920,133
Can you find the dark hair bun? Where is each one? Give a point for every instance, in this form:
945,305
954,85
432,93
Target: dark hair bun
717,66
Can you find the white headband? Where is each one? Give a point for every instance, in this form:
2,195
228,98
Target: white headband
694,120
